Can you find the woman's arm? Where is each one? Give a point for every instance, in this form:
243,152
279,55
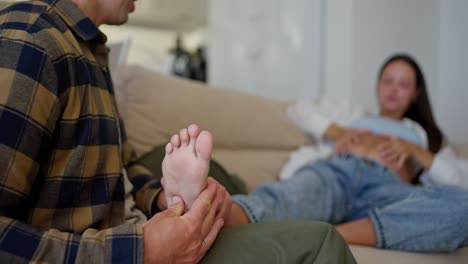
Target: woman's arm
335,132
396,150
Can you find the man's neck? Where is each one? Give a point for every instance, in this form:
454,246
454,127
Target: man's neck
90,9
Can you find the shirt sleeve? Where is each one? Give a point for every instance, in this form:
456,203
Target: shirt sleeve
23,243
29,110
448,169
146,187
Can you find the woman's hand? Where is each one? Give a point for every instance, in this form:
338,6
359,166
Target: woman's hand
395,151
350,138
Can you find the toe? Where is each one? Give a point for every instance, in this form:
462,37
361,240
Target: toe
169,148
204,145
175,141
184,137
193,131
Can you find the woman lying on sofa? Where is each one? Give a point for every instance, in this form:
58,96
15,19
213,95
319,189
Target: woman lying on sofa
365,188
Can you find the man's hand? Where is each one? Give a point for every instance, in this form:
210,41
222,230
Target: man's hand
223,199
170,237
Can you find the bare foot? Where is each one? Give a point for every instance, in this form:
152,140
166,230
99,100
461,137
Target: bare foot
186,165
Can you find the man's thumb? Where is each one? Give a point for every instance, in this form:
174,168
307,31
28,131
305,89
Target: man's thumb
177,206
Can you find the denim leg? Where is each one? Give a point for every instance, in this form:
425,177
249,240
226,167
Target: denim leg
317,192
433,219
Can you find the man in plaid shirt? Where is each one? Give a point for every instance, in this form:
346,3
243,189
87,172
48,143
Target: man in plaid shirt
66,170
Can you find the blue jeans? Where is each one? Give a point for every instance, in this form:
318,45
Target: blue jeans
346,188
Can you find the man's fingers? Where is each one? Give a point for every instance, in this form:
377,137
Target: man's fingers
226,208
225,203
209,220
202,205
211,236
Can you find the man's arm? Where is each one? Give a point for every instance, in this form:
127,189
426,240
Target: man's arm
29,110
21,243
146,188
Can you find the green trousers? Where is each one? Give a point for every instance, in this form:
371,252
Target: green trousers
269,242
295,241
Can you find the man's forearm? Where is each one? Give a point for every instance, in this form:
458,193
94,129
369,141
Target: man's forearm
24,242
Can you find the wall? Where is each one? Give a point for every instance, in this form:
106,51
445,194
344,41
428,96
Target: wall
338,49
149,46
383,28
266,47
453,71
368,32
361,34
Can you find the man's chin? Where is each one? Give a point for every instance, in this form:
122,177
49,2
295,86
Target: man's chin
118,22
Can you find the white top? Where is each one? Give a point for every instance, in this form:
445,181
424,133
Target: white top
315,115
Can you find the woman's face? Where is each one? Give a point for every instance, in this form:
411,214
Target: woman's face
397,89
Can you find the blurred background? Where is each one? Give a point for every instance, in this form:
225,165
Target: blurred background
287,49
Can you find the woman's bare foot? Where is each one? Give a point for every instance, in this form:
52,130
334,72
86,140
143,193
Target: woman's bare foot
186,164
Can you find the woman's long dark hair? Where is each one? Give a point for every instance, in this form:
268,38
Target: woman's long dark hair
420,110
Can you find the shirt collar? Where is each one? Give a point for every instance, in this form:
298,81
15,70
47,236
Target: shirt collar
76,20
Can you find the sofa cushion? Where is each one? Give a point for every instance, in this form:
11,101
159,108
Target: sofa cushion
155,106
367,255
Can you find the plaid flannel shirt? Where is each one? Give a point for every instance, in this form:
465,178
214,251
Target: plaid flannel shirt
62,146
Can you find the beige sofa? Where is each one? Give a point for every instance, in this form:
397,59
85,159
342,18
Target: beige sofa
253,136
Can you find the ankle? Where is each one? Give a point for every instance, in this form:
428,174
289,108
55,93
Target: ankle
237,216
